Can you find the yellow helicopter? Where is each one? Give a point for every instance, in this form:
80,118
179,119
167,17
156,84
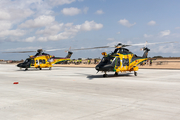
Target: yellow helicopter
122,60
42,60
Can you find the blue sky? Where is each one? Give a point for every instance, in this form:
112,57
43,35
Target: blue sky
55,24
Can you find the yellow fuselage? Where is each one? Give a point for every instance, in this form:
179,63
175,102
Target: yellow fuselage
131,64
45,61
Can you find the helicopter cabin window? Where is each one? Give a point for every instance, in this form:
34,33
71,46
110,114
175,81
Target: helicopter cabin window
40,61
44,61
118,62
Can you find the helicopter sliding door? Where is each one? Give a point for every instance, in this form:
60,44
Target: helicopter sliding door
32,62
118,62
125,62
122,63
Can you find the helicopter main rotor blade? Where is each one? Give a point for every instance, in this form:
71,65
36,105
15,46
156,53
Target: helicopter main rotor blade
35,51
91,48
123,45
116,46
140,44
20,52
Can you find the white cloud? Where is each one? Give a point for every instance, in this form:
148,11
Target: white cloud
42,39
164,33
16,32
91,25
126,23
118,32
110,39
14,11
4,15
71,11
38,22
147,36
61,2
60,36
5,25
68,33
69,24
151,23
37,13
177,28
74,29
99,12
30,39
170,48
21,14
51,30
68,30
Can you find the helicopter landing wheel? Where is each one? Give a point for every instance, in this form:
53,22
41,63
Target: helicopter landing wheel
105,75
135,73
50,68
40,68
26,69
116,74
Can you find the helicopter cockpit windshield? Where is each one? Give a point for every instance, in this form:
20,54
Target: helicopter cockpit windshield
107,60
27,60
121,50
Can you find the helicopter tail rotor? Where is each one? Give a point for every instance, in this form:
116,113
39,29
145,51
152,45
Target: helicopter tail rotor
69,54
146,50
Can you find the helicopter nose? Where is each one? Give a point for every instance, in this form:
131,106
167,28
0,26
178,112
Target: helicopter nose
104,67
19,65
22,65
97,68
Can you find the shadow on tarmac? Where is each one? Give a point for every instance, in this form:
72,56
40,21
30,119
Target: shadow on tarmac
110,76
34,69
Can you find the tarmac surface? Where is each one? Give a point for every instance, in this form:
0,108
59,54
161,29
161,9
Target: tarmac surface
67,93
